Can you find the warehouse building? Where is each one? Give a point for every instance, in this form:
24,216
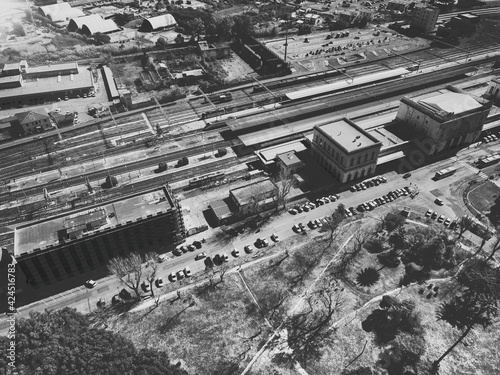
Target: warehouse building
163,22
345,150
445,119
89,25
65,250
60,12
21,84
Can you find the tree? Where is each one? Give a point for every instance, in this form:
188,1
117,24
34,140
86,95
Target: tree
64,341
111,181
389,258
179,39
160,5
392,318
161,43
283,182
224,26
101,38
128,270
243,26
375,245
196,26
465,223
151,269
162,166
476,305
494,247
403,352
368,277
393,221
304,29
397,239
309,331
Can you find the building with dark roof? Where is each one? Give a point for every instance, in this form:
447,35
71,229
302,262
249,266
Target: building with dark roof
163,22
32,121
424,18
445,119
61,252
345,150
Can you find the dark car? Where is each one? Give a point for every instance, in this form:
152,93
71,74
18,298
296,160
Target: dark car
124,294
407,175
145,287
209,263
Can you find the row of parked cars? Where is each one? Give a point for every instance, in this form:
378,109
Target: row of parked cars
441,219
370,205
179,275
308,206
312,224
185,248
490,138
375,181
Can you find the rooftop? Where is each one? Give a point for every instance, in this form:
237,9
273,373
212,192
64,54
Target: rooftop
55,68
220,209
244,194
268,154
48,232
15,78
347,135
51,84
30,116
11,66
450,103
289,158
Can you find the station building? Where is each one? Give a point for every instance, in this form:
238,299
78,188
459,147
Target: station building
21,84
255,197
67,249
345,150
445,119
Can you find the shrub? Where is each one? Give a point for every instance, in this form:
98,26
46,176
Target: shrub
389,259
374,245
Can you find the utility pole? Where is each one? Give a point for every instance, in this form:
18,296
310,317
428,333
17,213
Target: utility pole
286,36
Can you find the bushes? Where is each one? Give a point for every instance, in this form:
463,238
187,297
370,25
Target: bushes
389,258
375,245
393,221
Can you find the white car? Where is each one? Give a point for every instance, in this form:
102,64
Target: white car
275,237
236,253
187,271
248,249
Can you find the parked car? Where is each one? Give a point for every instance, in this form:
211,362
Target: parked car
162,258
428,213
184,249
447,222
200,256
180,274
293,211
159,282
145,287
236,253
440,219
187,271
438,201
125,294
434,215
248,249
224,257
90,284
191,248
172,277
275,237
311,225
197,244
407,175
209,263
296,229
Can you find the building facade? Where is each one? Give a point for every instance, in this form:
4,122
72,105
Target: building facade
32,121
255,197
61,252
289,163
424,18
449,119
345,150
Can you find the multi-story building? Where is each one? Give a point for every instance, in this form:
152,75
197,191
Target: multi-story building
61,252
424,18
445,120
289,163
32,121
345,150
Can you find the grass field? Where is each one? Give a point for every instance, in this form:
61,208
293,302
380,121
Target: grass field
483,196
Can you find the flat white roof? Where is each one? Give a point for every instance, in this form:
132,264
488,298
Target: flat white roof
267,155
451,103
346,135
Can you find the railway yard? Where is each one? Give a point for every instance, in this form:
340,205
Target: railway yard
383,143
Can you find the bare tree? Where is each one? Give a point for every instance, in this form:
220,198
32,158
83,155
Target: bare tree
465,223
349,256
495,246
283,182
151,270
309,331
128,270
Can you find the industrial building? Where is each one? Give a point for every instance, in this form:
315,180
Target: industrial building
255,197
31,121
60,12
68,248
163,22
94,23
445,119
21,84
345,150
424,18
